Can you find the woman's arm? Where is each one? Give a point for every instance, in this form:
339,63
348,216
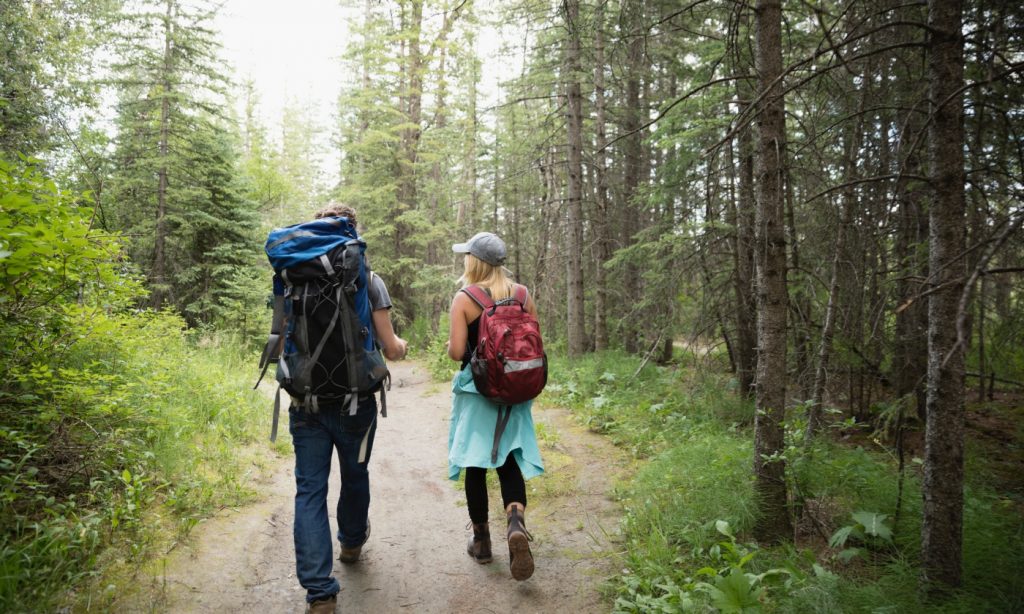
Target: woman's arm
458,326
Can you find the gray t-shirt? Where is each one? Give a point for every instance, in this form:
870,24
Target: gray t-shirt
378,293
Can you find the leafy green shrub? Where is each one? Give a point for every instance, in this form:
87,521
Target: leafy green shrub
694,439
105,412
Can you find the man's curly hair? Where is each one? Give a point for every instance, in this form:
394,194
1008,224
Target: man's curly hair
337,210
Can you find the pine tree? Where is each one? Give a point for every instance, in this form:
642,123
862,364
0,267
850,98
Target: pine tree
175,189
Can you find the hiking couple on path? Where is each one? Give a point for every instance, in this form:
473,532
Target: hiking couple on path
486,432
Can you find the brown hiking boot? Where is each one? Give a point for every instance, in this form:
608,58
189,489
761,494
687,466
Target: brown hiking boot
479,546
351,555
520,559
323,606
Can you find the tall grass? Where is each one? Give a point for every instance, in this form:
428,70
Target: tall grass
690,506
136,417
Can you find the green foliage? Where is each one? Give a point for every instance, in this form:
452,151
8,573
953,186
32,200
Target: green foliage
142,416
868,528
104,412
641,410
441,367
690,505
176,187
47,58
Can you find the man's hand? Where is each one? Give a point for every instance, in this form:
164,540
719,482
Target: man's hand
393,346
402,348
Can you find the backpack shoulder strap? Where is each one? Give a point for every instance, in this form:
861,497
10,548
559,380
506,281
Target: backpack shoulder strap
479,296
520,294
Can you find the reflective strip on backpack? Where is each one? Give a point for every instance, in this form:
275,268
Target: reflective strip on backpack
512,366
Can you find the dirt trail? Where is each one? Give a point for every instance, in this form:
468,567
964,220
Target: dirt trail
415,560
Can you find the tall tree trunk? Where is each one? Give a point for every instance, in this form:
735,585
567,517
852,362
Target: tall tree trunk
574,246
911,351
746,304
773,524
464,220
159,273
409,147
942,486
632,152
600,224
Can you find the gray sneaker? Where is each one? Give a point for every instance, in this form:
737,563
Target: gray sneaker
351,555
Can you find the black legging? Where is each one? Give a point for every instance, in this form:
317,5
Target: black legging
513,488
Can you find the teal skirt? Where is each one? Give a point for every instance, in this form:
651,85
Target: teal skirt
471,432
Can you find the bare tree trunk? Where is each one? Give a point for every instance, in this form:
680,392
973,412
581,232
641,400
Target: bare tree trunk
942,486
632,152
911,351
982,366
574,246
409,144
746,307
773,524
601,226
159,273
464,220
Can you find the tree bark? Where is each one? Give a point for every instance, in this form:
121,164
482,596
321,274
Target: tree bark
574,246
632,152
943,479
409,146
746,304
773,524
942,486
601,226
159,272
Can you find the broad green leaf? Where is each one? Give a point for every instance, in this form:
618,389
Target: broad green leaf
874,524
736,593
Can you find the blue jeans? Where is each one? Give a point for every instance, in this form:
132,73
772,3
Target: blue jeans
315,436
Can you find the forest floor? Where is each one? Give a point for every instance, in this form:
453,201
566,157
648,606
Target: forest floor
415,561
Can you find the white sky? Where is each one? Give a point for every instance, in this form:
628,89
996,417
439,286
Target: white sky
292,51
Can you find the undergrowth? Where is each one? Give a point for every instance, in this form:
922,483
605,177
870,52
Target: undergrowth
690,507
117,428
137,421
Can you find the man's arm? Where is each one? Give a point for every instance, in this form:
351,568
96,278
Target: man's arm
394,347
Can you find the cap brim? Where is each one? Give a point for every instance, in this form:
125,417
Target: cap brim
461,248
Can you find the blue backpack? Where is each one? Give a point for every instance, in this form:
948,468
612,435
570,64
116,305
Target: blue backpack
322,337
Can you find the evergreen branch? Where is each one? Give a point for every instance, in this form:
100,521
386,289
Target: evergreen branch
674,103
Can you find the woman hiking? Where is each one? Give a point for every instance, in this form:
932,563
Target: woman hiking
471,438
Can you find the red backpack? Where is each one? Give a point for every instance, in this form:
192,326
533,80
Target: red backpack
509,365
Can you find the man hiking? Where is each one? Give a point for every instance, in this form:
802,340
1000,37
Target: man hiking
332,384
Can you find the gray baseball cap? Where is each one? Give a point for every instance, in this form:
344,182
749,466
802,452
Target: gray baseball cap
486,246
